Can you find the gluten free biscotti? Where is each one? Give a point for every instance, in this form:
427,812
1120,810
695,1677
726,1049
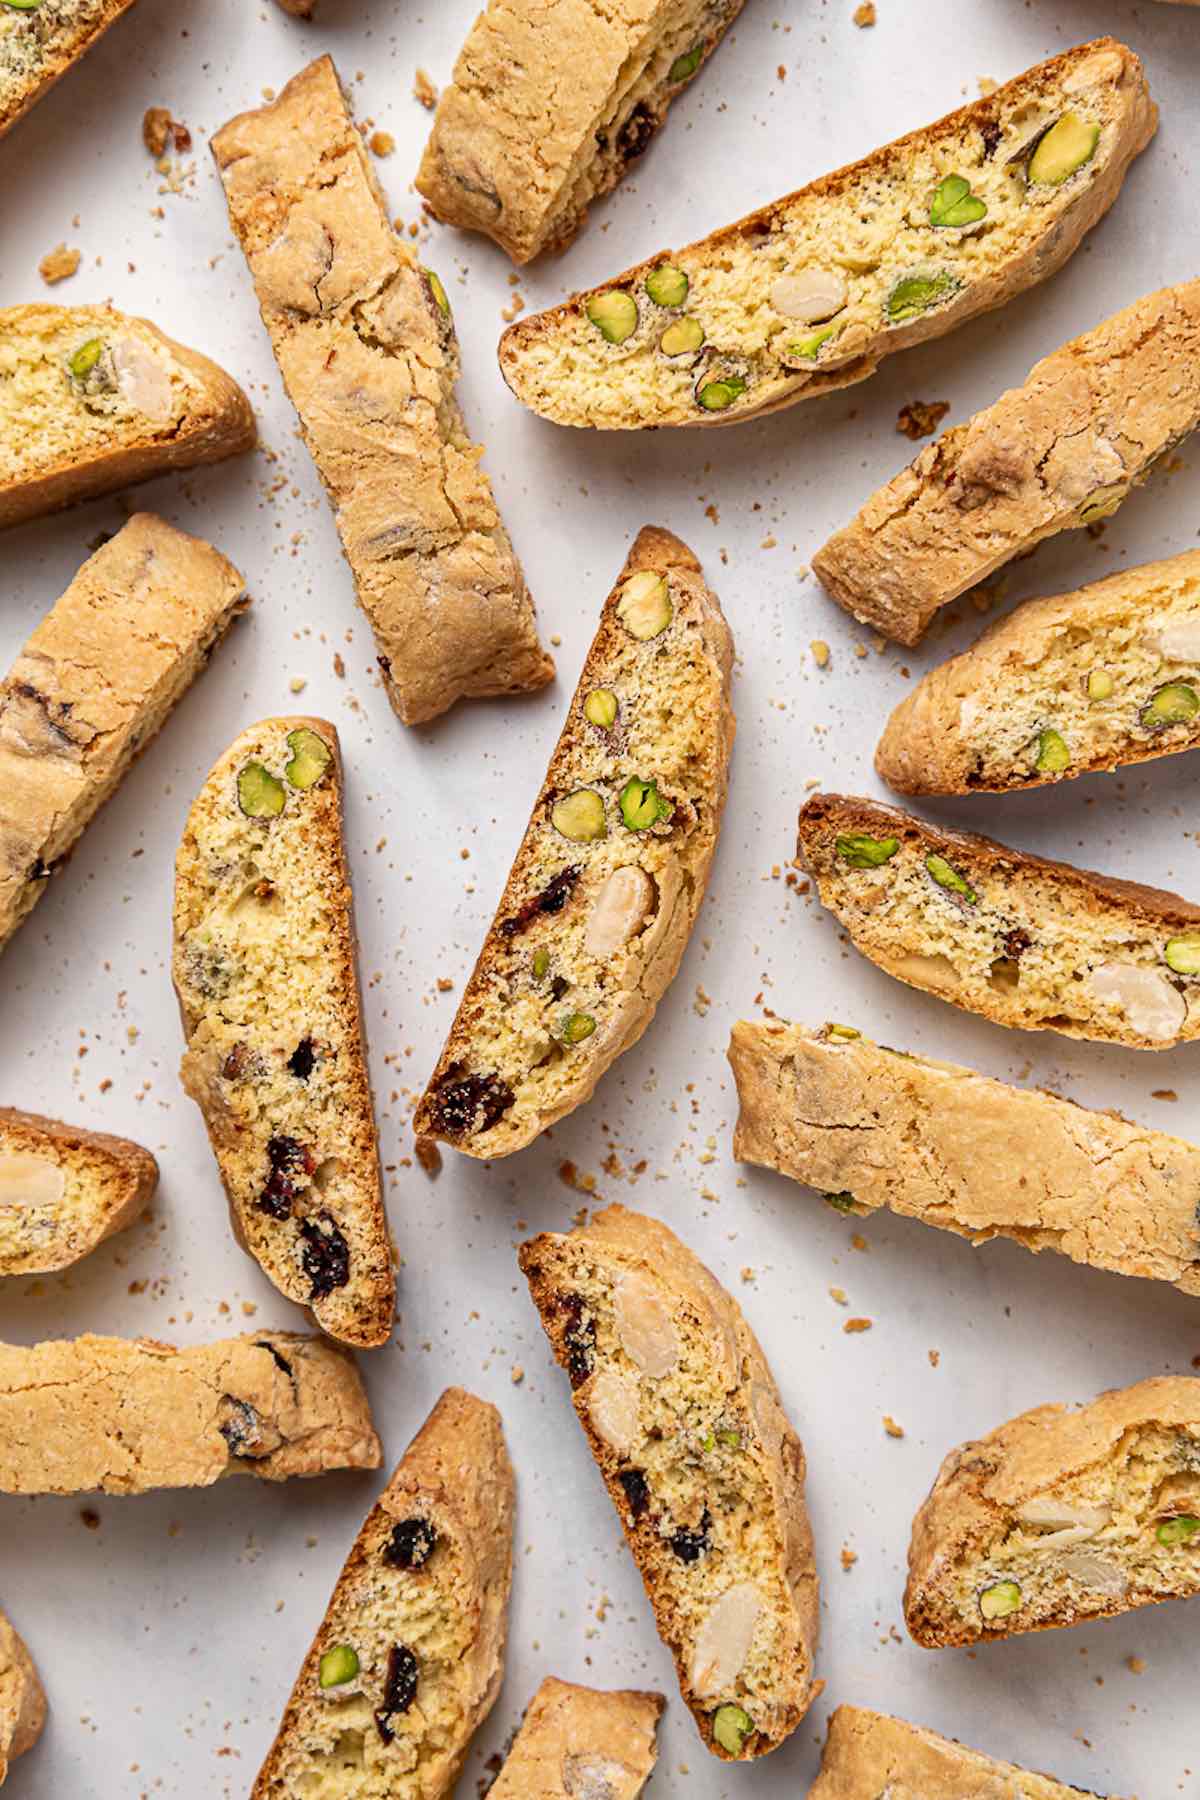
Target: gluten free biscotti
576,1741
39,43
810,294
63,1190
22,1700
366,346
868,1754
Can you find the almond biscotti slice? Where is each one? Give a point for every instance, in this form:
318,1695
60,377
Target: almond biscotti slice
93,685
367,349
869,1754
1042,946
92,400
520,154
266,972
611,872
1061,1516
22,1699
870,1127
409,1657
578,1741
685,1421
811,293
1063,450
125,1415
63,1190
40,41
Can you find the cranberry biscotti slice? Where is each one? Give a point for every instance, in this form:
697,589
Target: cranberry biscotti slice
266,971
409,1657
1039,945
578,1741
22,1699
811,293
63,1190
869,1754
686,1424
611,872
39,42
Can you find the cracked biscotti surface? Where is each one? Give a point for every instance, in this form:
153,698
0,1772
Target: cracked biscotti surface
64,1190
265,968
1039,945
1061,451
22,1700
578,1741
810,294
685,1422
94,683
519,153
92,400
1061,1516
870,1127
409,1657
610,875
366,346
125,1415
39,45
868,1754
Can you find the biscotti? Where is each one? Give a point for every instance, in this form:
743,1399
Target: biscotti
265,968
39,43
366,346
409,1657
92,400
868,1754
1061,451
92,686
126,1415
64,1190
577,1741
811,293
1039,945
1061,1516
610,875
685,1422
22,1700
520,154
870,1127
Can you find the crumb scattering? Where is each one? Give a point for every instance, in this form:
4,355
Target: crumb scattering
865,14
424,92
382,143
858,1325
891,1427
820,652
921,418
58,264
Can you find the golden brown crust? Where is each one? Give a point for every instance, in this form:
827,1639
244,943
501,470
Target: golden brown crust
572,1736
22,1699
868,1754
124,1175
66,52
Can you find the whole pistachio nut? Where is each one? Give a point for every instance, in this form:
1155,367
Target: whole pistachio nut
440,297
731,1726
948,877
642,806
576,1027
1066,147
1100,685
311,757
841,1034
1051,754
1177,1531
1183,953
644,607
600,708
667,285
912,295
23,5
260,794
337,1666
1173,704
683,337
862,851
954,205
541,964
579,816
719,394
686,65
999,1600
614,314
82,361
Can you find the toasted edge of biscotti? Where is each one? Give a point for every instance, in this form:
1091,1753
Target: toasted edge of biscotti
868,1754
22,1698
66,53
124,1169
575,1741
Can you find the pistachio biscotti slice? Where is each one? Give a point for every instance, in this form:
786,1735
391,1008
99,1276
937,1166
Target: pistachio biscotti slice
811,293
266,971
92,400
22,1699
63,1190
40,41
1038,945
367,349
685,1421
869,1754
409,1657
578,1741
611,872
520,154
870,1127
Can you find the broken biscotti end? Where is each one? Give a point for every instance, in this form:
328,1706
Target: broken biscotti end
63,1190
610,875
1038,945
577,1741
265,967
1060,1516
36,51
409,1657
685,1422
22,1699
868,1753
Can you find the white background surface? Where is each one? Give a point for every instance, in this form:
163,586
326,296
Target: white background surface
169,1636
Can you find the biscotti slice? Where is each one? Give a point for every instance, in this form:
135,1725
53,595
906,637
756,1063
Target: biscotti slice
611,872
1061,1516
812,292
266,972
93,685
39,42
409,1657
869,1754
1059,452
520,154
92,400
63,1190
126,1415
1042,946
367,349
577,1741
22,1699
685,1421
870,1127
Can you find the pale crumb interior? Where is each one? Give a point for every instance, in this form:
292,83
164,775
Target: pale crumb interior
54,1200
31,42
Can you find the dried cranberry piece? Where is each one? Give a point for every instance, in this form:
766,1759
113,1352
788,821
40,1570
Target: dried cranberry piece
558,987
690,1546
637,1493
399,1690
241,1428
463,1104
990,132
325,1258
636,132
552,898
579,1337
287,1157
237,1062
1016,943
303,1059
411,1544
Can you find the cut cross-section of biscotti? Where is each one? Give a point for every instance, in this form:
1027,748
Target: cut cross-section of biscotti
520,154
810,294
1061,451
40,42
409,1657
611,872
685,1421
1061,1516
63,1190
266,971
126,1415
92,686
578,1741
367,349
868,1754
22,1700
92,400
870,1127
1039,945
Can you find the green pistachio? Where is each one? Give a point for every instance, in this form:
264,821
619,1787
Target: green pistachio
731,1726
843,1202
311,757
642,805
575,1027
667,285
1173,704
998,1601
22,5
1177,1531
686,65
732,1440
644,608
337,1666
948,877
1183,953
683,337
1066,147
600,708
805,349
260,795
716,396
614,314
862,851
84,360
915,294
841,1034
1103,503
541,964
1051,753
440,297
579,816
1100,685
954,204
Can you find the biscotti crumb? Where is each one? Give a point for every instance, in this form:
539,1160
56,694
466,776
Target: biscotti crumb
891,1427
820,650
428,1155
935,1357
1163,1094
986,86
839,1294
849,1557
858,1325
1136,1665
297,684
58,264
382,143
865,14
921,418
424,91
516,1375
156,128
